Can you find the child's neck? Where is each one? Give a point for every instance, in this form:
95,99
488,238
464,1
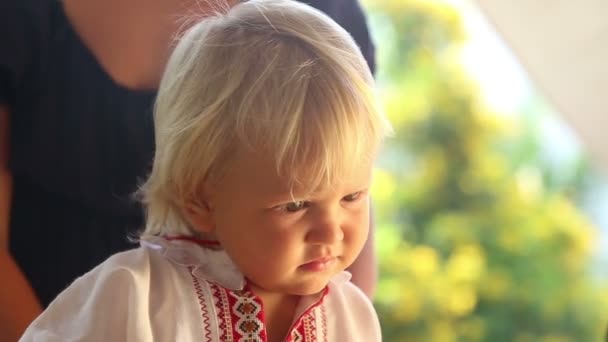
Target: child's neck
279,310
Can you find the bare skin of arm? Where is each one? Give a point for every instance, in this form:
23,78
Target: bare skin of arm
365,269
18,303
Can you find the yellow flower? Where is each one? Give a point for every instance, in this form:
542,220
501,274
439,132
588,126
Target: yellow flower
383,187
462,300
467,264
423,262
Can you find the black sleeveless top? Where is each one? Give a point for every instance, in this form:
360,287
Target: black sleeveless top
79,143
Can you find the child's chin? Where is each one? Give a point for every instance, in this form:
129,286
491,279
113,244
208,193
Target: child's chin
310,289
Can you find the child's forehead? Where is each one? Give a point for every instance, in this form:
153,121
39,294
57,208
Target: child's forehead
261,171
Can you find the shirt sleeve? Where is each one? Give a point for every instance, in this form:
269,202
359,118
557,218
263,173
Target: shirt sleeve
19,34
351,315
110,303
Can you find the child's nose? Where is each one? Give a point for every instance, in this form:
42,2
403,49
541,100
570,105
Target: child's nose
326,229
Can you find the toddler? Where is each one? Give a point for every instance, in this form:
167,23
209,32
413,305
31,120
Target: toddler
258,199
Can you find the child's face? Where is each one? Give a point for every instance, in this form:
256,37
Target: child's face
286,246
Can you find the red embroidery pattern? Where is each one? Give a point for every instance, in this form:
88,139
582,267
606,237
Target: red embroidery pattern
201,302
222,307
296,336
240,315
305,329
249,318
324,322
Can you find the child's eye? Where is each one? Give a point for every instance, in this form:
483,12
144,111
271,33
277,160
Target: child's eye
295,206
353,197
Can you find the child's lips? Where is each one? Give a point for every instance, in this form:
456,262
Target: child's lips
320,264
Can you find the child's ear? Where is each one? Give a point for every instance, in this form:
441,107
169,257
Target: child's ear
200,215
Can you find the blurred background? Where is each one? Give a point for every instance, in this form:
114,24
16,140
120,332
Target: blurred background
492,218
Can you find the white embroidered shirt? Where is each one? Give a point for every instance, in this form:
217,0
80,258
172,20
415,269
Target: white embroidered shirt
176,290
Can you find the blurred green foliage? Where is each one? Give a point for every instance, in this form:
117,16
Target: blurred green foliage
476,241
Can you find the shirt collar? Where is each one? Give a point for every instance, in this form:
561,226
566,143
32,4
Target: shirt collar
211,264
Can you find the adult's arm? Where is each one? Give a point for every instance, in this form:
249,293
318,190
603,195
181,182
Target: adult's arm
365,267
18,303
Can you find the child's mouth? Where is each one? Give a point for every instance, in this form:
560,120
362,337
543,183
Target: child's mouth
320,264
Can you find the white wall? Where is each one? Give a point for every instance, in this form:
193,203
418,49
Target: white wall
563,45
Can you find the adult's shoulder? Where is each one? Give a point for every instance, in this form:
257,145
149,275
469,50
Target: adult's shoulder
24,30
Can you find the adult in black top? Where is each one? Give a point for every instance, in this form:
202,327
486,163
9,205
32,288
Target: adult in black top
77,138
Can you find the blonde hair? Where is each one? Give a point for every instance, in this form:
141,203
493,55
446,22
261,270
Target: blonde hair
275,76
